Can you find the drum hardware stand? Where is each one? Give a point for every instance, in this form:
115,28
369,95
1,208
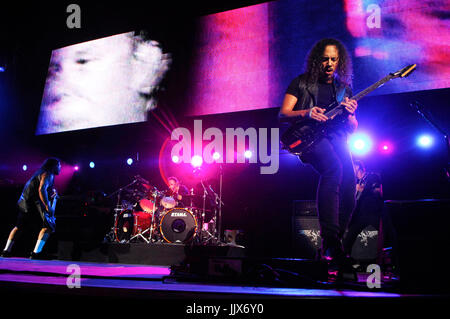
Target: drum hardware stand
151,228
218,199
155,194
220,203
112,233
201,230
205,193
215,237
210,237
140,234
119,207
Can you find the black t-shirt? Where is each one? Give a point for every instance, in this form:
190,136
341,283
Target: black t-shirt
183,190
325,94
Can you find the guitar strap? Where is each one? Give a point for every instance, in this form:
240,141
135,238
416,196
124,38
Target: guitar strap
339,91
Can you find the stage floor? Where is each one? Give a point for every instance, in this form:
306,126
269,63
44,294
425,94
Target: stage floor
145,285
146,279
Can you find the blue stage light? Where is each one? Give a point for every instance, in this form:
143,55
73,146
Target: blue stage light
91,164
360,143
130,161
425,141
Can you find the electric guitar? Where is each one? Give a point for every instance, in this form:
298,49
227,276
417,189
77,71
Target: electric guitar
305,132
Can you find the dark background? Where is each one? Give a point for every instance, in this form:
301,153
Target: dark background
259,204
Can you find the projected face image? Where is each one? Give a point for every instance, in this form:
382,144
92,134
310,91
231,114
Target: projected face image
103,82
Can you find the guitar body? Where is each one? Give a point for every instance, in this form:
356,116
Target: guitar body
303,134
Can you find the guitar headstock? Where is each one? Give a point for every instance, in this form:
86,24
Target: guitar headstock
405,71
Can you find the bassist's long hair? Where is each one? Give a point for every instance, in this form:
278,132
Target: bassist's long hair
344,72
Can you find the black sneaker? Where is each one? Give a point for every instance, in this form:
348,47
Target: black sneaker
42,256
34,255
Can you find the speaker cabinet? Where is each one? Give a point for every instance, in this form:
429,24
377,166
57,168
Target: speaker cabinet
422,242
307,240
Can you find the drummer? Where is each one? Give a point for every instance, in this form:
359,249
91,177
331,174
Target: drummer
178,191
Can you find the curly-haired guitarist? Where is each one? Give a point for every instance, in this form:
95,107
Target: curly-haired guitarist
327,79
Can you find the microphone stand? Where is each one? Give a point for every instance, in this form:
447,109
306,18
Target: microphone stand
205,192
427,117
220,203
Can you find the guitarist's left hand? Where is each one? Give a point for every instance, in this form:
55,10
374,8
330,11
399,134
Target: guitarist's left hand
350,105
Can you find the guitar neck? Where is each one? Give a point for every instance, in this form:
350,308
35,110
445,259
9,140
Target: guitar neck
336,107
371,88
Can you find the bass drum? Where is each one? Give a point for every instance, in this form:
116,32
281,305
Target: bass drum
178,225
129,224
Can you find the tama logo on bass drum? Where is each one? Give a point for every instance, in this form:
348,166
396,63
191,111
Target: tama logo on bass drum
175,214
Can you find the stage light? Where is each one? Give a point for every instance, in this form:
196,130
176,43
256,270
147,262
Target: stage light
2,69
130,161
24,167
76,168
386,148
216,156
425,141
91,164
248,154
360,143
175,159
196,161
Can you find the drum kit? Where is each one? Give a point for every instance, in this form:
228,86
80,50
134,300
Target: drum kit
144,213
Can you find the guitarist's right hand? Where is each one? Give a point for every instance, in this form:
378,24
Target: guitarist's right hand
316,113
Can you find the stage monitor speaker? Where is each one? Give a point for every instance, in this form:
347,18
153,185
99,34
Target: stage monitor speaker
422,242
305,208
306,237
307,240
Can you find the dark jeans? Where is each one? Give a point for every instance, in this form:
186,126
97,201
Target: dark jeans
331,158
